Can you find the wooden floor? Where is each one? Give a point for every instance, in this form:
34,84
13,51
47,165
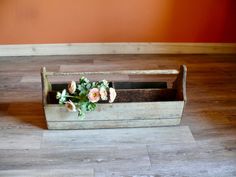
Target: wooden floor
203,145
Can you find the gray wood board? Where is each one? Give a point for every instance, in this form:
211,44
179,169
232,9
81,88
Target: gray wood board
110,137
98,158
20,139
196,159
48,173
118,111
72,125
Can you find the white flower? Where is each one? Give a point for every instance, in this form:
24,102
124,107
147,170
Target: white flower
103,93
112,92
72,87
70,106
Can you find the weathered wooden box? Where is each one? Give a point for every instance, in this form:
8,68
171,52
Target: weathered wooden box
138,104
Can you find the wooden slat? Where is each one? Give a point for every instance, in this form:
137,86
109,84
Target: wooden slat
20,139
98,158
112,124
126,72
82,172
116,137
187,159
180,84
117,48
120,111
45,85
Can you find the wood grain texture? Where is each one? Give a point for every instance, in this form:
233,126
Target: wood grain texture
116,137
180,84
48,173
120,111
204,147
20,139
117,48
78,125
99,158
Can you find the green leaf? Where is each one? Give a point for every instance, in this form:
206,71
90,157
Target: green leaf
81,114
80,87
63,94
84,80
94,84
62,100
58,95
91,106
88,86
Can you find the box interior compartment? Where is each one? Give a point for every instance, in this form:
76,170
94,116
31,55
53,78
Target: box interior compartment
139,85
128,92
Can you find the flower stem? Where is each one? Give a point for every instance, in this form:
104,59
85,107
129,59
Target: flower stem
69,96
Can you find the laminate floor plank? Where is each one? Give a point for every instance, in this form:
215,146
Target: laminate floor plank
20,139
111,137
99,158
48,173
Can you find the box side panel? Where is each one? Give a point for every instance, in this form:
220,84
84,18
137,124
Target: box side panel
112,124
120,111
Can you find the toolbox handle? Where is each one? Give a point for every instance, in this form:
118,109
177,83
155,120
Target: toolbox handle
130,72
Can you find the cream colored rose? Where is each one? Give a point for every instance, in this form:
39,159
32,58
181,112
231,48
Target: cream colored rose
112,92
70,106
72,87
94,95
103,93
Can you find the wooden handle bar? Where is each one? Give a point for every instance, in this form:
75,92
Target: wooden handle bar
130,72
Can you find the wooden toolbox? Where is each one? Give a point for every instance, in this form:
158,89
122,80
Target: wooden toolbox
138,104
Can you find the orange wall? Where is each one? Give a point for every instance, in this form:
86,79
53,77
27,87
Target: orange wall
72,21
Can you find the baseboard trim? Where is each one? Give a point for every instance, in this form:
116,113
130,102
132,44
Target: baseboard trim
117,48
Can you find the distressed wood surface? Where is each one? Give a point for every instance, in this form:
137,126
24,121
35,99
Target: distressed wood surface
73,125
20,139
48,173
115,137
129,72
204,146
120,111
180,84
102,158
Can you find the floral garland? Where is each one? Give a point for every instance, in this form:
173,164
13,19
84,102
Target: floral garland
82,97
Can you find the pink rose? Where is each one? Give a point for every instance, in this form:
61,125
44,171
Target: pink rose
112,92
94,95
103,93
70,106
72,87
